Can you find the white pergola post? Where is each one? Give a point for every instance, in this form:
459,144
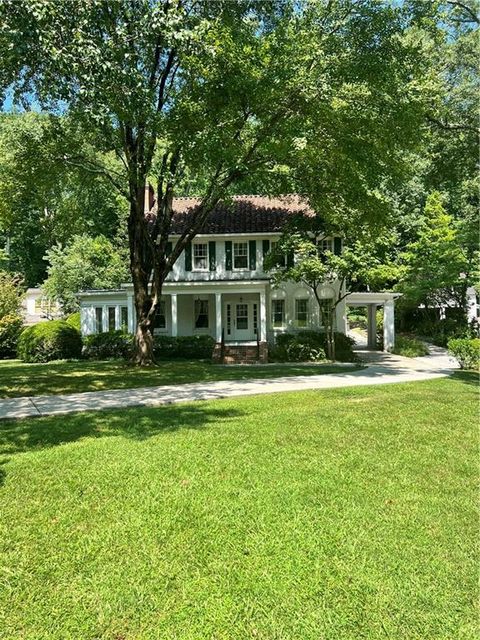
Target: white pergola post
263,317
173,302
218,317
372,325
388,325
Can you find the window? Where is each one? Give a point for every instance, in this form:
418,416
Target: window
240,255
242,317
99,319
200,256
301,312
201,314
278,313
124,318
326,245
111,318
281,258
160,317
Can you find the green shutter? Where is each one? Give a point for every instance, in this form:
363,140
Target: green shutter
228,255
188,256
266,249
337,246
212,255
290,259
252,253
168,249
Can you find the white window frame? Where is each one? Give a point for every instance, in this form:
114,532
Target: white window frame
326,244
97,322
307,312
273,245
207,256
236,244
283,320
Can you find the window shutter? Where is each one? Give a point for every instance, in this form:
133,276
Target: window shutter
168,249
212,255
290,259
252,254
266,249
337,246
188,256
228,255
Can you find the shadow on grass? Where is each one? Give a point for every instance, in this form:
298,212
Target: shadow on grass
19,436
467,377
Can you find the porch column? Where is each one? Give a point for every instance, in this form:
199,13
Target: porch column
218,317
132,320
388,325
372,326
263,317
173,302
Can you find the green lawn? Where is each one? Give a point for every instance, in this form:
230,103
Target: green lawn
21,379
346,514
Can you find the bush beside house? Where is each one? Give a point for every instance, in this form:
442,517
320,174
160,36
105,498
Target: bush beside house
45,341
108,345
10,329
466,351
310,346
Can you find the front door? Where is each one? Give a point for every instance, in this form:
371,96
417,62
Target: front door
240,320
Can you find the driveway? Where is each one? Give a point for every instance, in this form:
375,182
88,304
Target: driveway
382,368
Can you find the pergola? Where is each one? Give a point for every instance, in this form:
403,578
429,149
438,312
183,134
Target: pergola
372,300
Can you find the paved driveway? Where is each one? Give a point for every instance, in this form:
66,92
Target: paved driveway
382,368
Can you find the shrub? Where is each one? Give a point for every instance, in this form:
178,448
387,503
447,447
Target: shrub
311,345
466,351
10,329
107,345
74,320
191,347
409,347
45,341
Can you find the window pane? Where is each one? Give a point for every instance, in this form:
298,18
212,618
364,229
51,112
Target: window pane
301,312
200,256
240,255
201,314
124,318
98,319
111,318
242,316
278,313
281,261
160,318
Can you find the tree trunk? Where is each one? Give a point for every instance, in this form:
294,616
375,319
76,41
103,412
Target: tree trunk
143,345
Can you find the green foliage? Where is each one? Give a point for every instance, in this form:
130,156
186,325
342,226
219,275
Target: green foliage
45,341
85,263
11,294
466,351
409,347
110,344
192,347
10,329
74,320
310,345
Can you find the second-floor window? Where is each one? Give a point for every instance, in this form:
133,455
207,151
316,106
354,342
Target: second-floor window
240,255
200,256
281,257
326,245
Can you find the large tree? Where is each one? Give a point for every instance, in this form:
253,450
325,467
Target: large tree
224,90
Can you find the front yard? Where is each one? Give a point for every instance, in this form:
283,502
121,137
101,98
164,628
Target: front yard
333,515
20,379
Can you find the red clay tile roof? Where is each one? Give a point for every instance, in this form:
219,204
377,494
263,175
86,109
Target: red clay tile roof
242,214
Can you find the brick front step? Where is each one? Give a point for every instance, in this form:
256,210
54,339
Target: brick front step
240,354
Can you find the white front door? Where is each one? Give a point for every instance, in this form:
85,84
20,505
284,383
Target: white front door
241,320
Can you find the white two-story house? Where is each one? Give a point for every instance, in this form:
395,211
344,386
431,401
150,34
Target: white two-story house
219,285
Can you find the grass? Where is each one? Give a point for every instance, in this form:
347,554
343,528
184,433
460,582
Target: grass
21,379
340,515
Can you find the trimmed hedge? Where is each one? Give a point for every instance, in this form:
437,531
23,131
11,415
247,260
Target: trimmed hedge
108,345
74,320
311,346
191,347
45,341
10,329
466,351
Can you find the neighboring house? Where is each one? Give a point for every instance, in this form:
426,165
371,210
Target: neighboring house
219,286
36,308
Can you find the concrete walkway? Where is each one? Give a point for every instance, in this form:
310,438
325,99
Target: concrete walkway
382,368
